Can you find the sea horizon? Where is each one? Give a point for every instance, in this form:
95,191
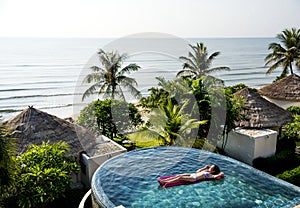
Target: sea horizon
45,72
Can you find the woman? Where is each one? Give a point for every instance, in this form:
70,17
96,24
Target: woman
206,173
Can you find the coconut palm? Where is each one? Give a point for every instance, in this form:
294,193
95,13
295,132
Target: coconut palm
198,63
169,124
287,54
110,78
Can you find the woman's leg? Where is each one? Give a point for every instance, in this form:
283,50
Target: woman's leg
170,179
185,177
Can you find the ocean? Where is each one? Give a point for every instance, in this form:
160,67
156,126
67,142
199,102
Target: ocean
47,73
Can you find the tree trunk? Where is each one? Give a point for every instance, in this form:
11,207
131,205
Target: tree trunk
291,68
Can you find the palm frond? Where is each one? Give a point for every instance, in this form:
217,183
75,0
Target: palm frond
198,62
129,68
109,78
128,84
97,69
93,77
188,63
212,57
186,73
90,91
275,66
218,69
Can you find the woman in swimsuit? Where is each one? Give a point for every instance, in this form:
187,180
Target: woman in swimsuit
207,172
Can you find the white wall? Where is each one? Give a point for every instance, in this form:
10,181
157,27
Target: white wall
246,145
92,163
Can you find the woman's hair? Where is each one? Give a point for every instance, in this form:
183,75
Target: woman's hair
216,170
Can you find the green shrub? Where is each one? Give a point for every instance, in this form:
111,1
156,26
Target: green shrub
292,129
295,110
283,160
43,174
285,144
87,118
7,151
110,117
291,176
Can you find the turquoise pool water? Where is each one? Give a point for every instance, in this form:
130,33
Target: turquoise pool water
130,180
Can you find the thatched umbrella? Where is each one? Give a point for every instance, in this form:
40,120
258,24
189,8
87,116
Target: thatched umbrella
33,126
260,113
287,88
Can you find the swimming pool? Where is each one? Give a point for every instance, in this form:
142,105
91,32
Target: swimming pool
130,180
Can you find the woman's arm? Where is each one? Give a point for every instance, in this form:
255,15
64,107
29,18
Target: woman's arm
201,169
218,176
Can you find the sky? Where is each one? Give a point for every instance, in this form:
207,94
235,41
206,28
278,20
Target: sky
117,18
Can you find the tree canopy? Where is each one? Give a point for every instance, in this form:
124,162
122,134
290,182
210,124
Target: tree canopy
285,55
43,174
198,63
110,78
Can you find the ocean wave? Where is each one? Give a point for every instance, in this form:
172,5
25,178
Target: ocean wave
9,110
58,106
40,96
30,89
39,83
42,65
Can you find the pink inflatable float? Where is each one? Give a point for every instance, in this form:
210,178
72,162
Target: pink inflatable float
181,182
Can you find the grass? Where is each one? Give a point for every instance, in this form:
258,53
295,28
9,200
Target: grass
142,142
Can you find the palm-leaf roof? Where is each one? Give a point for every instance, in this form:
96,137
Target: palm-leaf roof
260,113
287,88
33,126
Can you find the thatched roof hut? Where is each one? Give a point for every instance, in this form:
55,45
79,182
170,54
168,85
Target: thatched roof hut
260,113
287,88
33,126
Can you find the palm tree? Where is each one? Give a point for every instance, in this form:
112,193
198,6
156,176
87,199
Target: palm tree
169,124
198,63
110,78
287,54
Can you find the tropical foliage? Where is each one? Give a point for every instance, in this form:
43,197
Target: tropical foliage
109,78
87,118
7,151
295,110
43,174
169,124
291,176
234,105
206,96
111,118
157,96
285,55
198,63
292,129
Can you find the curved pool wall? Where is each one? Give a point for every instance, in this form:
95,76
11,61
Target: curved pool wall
130,180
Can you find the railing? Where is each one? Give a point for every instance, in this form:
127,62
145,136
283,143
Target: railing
87,194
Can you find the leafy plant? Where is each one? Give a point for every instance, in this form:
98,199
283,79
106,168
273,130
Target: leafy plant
281,161
87,118
170,125
234,106
156,97
291,176
43,174
295,110
110,117
292,129
7,151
